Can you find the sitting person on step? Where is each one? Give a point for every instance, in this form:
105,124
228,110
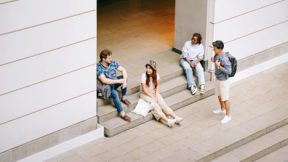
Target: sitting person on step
149,91
192,53
106,73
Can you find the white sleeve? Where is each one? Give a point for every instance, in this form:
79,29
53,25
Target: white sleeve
158,76
201,53
185,50
143,78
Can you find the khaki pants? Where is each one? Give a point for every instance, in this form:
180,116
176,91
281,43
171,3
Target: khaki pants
160,108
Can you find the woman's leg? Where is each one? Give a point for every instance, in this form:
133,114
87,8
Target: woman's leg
167,110
157,112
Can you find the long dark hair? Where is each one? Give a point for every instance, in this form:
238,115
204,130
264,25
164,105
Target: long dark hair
154,77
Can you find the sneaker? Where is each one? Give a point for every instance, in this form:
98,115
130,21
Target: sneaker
226,119
178,120
202,89
219,111
171,122
193,90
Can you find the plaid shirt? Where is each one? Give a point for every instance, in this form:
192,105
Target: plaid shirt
109,72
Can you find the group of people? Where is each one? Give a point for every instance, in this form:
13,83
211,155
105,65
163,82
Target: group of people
192,54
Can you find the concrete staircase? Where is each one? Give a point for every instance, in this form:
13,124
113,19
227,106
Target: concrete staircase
254,146
259,147
173,88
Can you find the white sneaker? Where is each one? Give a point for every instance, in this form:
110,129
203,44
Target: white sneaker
193,90
171,122
202,89
178,120
219,111
226,119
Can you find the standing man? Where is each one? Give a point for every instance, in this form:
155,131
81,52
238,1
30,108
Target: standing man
192,53
106,73
222,83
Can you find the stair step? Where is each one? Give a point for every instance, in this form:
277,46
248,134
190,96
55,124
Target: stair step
118,125
254,149
250,131
185,98
278,155
172,86
167,88
175,101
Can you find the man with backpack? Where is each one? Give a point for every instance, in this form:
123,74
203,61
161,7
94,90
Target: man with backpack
106,75
223,70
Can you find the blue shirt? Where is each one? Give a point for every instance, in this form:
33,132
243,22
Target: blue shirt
225,69
109,72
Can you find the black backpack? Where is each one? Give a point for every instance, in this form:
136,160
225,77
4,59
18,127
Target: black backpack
233,61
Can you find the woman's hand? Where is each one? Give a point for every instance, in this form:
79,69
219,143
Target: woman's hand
156,97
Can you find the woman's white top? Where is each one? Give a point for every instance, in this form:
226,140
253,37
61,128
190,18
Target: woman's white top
151,84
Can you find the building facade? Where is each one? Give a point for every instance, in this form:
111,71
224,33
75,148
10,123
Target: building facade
48,60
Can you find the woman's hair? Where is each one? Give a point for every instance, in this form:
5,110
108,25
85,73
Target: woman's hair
154,77
199,38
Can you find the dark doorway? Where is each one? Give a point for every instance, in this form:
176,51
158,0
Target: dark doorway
135,28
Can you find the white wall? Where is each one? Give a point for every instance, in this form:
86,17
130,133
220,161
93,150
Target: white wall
47,67
248,27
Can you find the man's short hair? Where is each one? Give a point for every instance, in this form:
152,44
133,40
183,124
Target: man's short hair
104,53
218,44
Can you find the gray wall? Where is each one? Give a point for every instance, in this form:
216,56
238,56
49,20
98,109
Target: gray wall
190,17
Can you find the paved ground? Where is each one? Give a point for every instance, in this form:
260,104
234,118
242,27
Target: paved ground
256,103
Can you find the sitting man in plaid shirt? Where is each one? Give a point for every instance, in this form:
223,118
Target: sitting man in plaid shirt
106,74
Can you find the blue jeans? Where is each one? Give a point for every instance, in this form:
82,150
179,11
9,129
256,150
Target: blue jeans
115,96
189,73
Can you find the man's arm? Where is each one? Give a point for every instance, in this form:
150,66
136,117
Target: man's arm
226,67
185,54
125,75
124,72
200,55
105,80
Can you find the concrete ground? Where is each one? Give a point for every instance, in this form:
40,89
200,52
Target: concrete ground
257,102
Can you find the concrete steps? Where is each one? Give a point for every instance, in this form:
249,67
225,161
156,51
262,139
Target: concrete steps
173,88
259,147
107,111
278,155
259,141
176,101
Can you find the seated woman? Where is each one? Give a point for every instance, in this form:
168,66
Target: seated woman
149,91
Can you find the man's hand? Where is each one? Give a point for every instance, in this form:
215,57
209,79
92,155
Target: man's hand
212,59
193,65
121,81
217,64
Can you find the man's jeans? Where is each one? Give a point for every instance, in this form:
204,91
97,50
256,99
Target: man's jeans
189,73
115,96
